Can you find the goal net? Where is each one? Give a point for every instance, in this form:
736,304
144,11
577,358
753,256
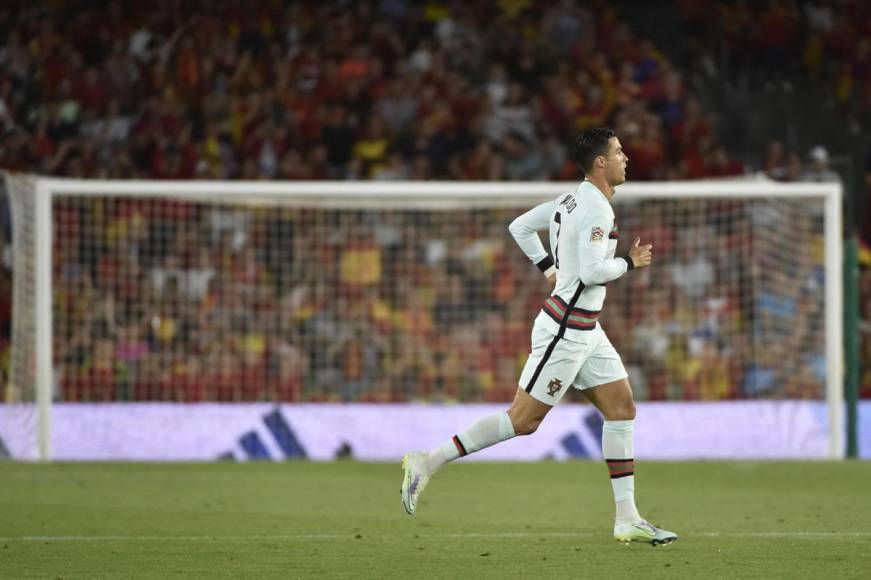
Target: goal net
373,292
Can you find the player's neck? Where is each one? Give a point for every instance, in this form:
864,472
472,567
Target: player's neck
602,185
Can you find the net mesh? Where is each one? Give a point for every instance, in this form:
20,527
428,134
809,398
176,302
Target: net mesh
733,307
173,300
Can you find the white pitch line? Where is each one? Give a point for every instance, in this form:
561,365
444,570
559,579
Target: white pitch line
291,537
780,534
170,538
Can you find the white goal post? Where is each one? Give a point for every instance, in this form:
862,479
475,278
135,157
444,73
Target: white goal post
435,196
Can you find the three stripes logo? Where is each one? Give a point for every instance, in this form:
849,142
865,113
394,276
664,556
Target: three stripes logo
590,431
285,440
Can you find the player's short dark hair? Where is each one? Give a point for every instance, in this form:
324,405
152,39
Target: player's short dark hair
590,144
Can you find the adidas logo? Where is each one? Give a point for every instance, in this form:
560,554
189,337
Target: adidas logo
283,442
573,444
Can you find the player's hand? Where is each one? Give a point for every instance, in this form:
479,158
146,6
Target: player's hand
641,255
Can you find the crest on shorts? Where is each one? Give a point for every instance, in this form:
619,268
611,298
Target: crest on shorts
597,234
554,386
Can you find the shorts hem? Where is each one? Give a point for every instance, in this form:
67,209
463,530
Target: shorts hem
599,384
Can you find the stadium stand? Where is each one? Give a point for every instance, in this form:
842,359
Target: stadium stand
220,90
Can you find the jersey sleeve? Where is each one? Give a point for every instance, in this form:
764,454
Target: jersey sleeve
525,230
595,267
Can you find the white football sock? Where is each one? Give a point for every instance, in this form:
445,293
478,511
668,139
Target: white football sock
481,434
618,450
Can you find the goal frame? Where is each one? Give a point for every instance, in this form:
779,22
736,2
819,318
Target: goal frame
430,195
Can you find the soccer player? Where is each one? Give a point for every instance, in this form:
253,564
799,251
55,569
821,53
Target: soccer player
569,347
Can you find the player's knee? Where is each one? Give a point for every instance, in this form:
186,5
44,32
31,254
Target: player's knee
526,426
623,412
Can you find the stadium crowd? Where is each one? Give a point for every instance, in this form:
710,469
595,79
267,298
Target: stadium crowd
790,43
175,301
389,90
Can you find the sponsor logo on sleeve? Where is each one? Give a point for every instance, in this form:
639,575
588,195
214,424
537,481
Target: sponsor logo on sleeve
597,234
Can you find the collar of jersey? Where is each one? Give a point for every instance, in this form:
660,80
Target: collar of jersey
593,187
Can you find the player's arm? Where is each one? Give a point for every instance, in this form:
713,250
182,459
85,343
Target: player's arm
525,230
595,267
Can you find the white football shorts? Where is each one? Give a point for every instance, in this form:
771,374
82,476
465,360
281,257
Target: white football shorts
555,364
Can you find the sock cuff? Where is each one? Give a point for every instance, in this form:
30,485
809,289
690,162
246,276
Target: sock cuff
449,450
506,428
618,426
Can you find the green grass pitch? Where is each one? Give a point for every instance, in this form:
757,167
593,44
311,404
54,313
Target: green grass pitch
476,520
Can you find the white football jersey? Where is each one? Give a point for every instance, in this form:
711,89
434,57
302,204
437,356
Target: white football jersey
583,240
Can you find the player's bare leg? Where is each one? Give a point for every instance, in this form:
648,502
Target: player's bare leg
526,413
522,418
614,400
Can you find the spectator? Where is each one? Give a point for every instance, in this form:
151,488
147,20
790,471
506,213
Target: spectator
819,169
